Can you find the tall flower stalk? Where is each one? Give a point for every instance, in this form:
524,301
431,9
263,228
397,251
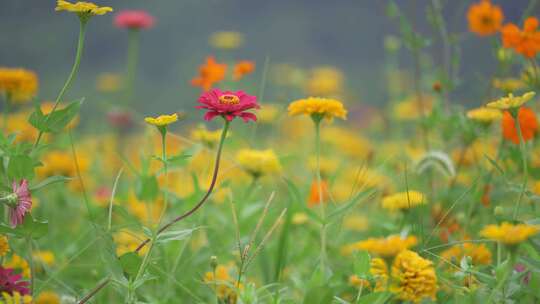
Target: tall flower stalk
131,66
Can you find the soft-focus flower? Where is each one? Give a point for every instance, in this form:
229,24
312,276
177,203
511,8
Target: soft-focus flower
318,107
300,218
479,254
484,115
325,81
525,42
413,277
412,109
403,200
19,202
484,18
19,265
258,162
379,271
45,257
508,84
15,298
528,123
19,85
226,40
48,297
510,234
203,135
162,120
58,162
387,247
120,118
511,101
134,19
11,283
243,68
4,245
327,166
224,282
210,73
357,282
356,222
108,82
228,104
347,141
315,193
83,9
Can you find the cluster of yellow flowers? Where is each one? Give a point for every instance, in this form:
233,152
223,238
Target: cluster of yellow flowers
258,162
403,200
19,85
4,245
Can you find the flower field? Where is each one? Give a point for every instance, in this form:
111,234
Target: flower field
309,196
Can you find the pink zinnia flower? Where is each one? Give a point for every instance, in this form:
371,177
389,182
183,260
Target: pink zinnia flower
134,19
19,202
228,104
12,283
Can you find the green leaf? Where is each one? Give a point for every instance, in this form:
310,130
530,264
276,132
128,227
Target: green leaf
147,188
178,160
130,263
49,181
174,235
20,166
56,121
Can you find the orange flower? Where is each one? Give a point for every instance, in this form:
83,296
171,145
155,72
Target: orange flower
484,18
526,42
243,68
314,194
209,73
527,121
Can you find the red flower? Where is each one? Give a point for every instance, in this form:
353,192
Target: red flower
134,19
528,125
228,104
20,202
12,283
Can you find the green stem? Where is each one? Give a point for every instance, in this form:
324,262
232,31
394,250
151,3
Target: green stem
525,168
320,190
507,272
71,77
132,60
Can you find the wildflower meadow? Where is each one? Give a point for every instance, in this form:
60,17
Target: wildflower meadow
277,183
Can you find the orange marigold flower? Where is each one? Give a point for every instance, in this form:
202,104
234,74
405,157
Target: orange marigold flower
525,42
485,18
314,193
243,68
209,73
527,121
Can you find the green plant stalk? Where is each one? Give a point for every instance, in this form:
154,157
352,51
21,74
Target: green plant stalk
132,61
506,274
319,187
71,77
523,149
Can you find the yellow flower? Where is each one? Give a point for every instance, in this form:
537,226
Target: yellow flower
48,297
508,84
108,82
328,166
15,298
300,218
267,113
19,85
4,245
224,283
384,247
510,234
162,120
403,200
479,254
45,257
127,241
379,270
411,108
19,264
226,40
355,223
511,101
258,162
318,107
325,81
413,277
484,115
348,142
83,9
205,136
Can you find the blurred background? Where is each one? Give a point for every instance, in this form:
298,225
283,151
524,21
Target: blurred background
346,34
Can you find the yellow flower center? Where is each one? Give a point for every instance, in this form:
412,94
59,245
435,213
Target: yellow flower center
229,99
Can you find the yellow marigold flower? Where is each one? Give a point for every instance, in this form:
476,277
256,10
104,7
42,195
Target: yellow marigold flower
384,247
479,254
4,245
484,115
83,9
508,84
403,200
379,270
108,82
413,277
48,297
325,81
162,120
511,101
510,234
226,40
19,85
318,107
357,282
258,162
18,263
203,135
45,257
15,298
